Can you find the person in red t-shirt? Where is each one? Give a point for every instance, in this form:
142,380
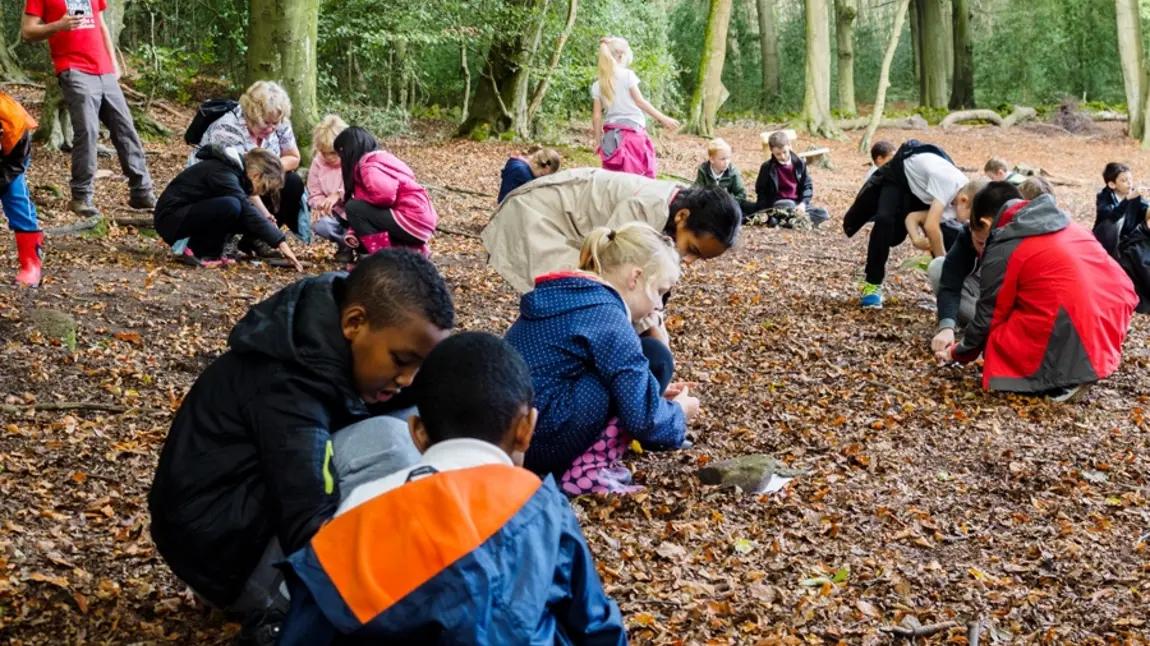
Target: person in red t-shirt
86,67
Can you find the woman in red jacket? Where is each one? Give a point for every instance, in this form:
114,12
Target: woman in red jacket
1054,308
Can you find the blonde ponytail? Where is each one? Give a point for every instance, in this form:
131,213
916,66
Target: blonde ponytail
612,52
634,243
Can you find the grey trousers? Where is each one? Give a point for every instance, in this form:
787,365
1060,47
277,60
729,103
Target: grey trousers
93,99
817,214
971,288
331,228
369,450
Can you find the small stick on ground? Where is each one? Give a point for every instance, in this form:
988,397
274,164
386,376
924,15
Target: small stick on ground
456,232
109,408
921,631
456,189
974,632
890,389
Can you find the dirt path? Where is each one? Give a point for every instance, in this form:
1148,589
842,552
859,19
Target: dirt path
931,498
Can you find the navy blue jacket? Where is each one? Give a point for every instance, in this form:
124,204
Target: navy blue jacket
516,173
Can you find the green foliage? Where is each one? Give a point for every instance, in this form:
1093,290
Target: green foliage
382,122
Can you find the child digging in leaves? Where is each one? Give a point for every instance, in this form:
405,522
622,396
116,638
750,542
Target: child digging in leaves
325,191
539,162
463,547
597,383
784,186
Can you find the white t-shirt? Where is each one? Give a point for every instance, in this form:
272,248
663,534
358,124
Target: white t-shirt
623,108
933,178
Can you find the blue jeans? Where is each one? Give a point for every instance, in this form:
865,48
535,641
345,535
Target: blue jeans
17,204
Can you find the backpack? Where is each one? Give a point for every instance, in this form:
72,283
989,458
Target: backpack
208,113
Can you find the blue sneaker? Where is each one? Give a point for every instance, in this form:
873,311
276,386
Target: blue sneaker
871,296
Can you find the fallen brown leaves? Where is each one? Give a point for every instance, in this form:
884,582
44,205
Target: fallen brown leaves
928,501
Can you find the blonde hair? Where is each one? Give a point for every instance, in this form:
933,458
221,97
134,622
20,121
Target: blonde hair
325,133
612,52
1035,186
634,243
543,159
718,145
265,101
971,189
266,172
995,164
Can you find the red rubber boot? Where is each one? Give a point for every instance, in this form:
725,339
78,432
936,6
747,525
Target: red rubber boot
29,249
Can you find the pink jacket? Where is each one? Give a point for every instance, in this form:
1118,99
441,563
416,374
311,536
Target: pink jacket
323,180
383,180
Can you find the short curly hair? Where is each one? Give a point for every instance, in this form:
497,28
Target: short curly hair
393,285
265,102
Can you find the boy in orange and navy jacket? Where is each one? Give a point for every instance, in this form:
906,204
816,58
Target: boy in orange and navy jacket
16,127
465,546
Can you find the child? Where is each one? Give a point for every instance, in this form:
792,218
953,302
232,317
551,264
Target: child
539,162
624,144
540,228
1112,204
464,547
923,230
1032,187
293,415
997,170
784,183
598,384
325,187
1054,307
719,171
880,153
208,202
385,206
16,127
918,177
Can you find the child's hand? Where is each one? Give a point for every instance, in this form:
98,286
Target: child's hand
800,208
287,252
921,243
669,123
689,404
674,389
945,355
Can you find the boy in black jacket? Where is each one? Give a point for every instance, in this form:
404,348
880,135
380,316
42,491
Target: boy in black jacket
276,429
1113,202
210,201
784,182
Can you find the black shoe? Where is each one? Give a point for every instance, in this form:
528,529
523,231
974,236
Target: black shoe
261,628
257,248
345,256
143,202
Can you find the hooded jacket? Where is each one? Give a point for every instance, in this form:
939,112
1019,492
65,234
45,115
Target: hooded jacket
383,180
865,206
480,556
248,455
1054,307
539,227
516,172
220,173
587,365
767,184
730,180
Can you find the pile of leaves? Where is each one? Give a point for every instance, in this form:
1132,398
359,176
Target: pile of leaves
927,499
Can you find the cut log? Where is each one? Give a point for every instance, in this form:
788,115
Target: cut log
1109,115
747,472
765,137
913,122
814,155
1020,114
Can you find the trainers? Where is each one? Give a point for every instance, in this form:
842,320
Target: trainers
188,258
257,248
1068,393
84,208
217,262
144,202
871,296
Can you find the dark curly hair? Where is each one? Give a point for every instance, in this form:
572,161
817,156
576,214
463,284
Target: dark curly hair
393,284
711,212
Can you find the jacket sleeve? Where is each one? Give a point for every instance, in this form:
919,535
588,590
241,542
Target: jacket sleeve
763,186
257,225
700,177
1106,208
314,191
376,187
587,614
292,433
738,189
643,412
993,279
807,190
959,262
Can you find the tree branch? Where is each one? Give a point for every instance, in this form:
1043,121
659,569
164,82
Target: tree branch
921,631
59,406
456,189
495,87
541,87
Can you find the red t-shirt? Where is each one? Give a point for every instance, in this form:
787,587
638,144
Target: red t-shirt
83,49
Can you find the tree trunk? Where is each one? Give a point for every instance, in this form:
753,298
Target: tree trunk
936,32
769,52
816,116
884,76
9,70
521,86
541,87
709,92
1133,66
282,47
400,71
845,13
489,111
916,45
466,81
962,92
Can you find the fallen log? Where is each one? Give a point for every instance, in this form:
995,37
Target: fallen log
919,631
913,122
1109,115
1020,113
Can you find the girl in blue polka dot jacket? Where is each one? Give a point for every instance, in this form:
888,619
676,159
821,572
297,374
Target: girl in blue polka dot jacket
598,384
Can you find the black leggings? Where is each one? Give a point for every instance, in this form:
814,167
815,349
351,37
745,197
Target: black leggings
366,219
208,225
894,204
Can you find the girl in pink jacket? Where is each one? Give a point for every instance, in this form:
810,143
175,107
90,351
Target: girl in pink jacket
384,204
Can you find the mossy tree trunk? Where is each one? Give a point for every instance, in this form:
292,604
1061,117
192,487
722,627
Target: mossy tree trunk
962,90
709,92
845,13
816,117
282,47
769,52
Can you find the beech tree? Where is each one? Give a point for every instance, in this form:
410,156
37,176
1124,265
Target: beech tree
816,117
962,90
282,38
709,92
845,13
769,51
1133,64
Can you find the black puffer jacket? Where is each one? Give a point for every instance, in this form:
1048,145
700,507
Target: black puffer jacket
248,455
767,184
893,172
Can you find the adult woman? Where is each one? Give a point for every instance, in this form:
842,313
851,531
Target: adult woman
263,120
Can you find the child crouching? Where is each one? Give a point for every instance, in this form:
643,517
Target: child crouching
598,384
325,188
539,162
424,555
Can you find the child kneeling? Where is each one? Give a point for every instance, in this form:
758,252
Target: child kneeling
325,188
209,202
598,383
424,555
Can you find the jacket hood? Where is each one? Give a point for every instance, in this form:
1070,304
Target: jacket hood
227,154
300,326
562,293
1022,219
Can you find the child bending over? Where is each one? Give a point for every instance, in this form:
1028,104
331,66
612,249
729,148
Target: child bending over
16,127
936,231
384,204
539,162
718,171
880,153
784,182
464,547
325,190
997,170
209,202
599,384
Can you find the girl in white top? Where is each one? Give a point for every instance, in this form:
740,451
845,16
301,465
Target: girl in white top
625,145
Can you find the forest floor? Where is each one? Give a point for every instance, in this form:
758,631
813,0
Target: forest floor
926,497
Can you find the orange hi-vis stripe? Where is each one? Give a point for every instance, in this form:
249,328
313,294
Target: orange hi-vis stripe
383,550
14,122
